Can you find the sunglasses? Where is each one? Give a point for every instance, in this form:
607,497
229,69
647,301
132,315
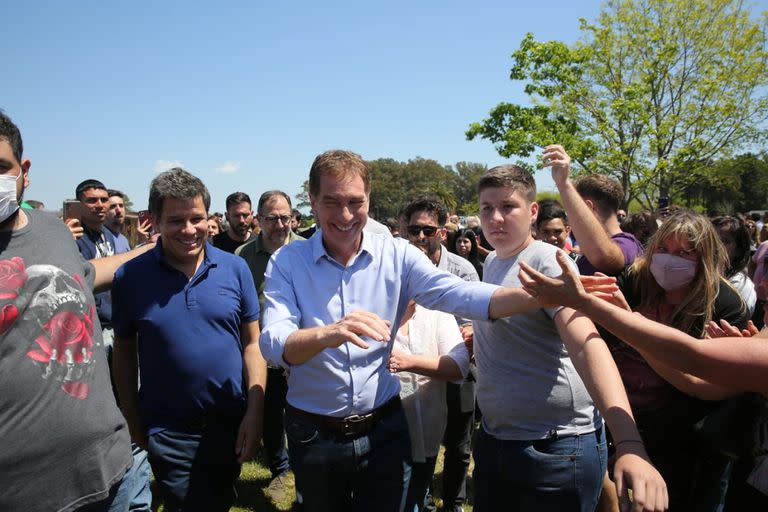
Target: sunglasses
429,231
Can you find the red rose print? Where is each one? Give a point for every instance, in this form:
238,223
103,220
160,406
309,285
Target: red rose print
76,389
79,280
7,316
69,335
12,277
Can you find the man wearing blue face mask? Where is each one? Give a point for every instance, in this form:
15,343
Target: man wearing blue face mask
53,368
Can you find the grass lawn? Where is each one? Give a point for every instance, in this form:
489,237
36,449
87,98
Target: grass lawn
254,479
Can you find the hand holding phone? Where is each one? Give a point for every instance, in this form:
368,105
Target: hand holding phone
145,218
70,210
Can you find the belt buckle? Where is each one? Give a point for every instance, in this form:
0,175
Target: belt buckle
352,423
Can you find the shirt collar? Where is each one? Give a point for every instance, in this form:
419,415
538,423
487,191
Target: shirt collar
318,249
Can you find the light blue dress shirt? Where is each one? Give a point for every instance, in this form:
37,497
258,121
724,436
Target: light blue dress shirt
305,288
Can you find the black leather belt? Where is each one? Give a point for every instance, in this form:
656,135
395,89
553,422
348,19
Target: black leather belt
354,425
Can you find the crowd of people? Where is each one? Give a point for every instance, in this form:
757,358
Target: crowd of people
585,358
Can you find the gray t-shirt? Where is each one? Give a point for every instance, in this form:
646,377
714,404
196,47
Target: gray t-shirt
527,386
63,441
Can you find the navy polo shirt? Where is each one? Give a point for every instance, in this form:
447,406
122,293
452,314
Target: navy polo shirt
190,355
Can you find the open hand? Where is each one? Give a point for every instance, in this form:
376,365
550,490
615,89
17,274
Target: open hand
357,324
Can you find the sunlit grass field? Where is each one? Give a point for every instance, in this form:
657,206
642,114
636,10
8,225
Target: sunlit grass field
255,477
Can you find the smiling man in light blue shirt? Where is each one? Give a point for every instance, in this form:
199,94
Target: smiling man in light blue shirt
333,303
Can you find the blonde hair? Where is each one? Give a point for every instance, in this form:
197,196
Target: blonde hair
699,303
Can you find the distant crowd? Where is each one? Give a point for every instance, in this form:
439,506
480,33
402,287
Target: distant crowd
586,359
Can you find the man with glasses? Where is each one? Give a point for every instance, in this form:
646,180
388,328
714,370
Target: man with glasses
425,217
274,214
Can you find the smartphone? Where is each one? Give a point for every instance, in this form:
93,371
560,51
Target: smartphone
663,202
70,210
144,216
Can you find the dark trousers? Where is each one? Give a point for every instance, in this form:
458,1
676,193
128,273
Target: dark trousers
275,451
457,441
418,488
196,469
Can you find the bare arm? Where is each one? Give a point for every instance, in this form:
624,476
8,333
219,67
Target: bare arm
511,301
736,364
437,367
303,344
106,267
597,369
256,373
687,383
595,243
125,369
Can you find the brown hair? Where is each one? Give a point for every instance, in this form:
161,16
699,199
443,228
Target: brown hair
604,191
509,176
339,164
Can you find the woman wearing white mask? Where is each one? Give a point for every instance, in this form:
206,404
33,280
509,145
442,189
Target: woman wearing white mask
678,282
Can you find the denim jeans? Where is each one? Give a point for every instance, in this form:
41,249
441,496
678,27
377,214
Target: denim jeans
369,472
275,453
563,474
134,489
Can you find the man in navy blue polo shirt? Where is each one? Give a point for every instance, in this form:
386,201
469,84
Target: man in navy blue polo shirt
186,316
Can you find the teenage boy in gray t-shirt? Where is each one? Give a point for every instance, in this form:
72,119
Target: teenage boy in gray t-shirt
541,444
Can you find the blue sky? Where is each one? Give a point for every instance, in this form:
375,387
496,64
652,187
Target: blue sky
245,94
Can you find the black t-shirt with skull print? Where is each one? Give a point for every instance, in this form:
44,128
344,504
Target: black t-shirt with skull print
63,441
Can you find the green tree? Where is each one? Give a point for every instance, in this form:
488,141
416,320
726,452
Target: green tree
733,185
394,183
302,198
652,91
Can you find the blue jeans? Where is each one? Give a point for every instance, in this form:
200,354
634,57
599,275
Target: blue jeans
196,469
135,485
369,472
275,452
563,474
132,493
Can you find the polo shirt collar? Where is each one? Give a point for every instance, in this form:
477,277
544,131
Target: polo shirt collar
211,255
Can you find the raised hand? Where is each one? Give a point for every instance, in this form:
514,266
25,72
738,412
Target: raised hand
558,161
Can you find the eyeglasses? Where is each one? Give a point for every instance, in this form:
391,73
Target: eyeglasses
272,219
429,231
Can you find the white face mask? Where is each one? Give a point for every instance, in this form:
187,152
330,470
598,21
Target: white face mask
8,200
672,272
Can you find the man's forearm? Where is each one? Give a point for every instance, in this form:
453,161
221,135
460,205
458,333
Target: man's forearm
511,301
597,369
593,240
256,372
125,369
304,344
106,267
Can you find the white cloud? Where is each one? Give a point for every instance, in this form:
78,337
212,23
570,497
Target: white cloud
228,167
164,165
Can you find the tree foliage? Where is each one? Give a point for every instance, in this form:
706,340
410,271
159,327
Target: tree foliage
652,91
732,185
394,183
